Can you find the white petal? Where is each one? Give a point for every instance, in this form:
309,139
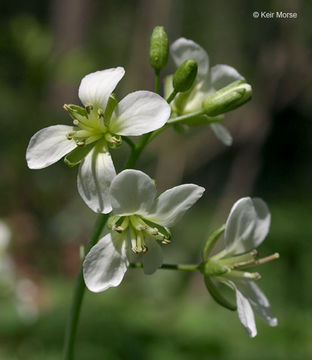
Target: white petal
257,299
183,49
245,314
105,264
96,87
222,134
153,259
247,225
132,192
48,146
95,175
223,75
138,113
173,203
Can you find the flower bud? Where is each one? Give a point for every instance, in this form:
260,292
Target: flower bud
159,48
228,98
185,75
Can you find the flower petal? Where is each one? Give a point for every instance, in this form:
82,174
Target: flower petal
132,192
247,225
96,87
222,134
244,310
95,175
183,49
223,75
245,314
105,264
138,113
48,146
257,299
173,203
153,259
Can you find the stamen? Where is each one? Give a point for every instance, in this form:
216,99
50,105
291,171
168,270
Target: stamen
123,226
259,261
92,139
243,275
89,108
239,260
137,223
80,143
70,135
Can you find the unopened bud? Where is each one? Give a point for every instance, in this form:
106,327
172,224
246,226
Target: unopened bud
185,75
228,98
159,48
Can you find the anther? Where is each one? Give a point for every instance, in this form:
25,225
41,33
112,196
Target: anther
80,143
89,108
166,241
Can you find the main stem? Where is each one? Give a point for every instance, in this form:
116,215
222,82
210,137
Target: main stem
71,329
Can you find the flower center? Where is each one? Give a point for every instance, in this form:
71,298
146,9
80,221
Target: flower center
92,124
138,228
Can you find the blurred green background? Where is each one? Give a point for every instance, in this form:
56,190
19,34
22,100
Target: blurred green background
46,48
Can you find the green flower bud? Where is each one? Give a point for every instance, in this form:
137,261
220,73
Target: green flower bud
159,48
185,75
228,98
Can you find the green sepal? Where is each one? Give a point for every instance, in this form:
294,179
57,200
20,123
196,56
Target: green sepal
228,98
213,268
74,157
159,48
163,230
215,294
211,241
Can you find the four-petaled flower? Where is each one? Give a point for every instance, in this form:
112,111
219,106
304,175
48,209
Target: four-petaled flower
139,222
208,81
96,127
246,227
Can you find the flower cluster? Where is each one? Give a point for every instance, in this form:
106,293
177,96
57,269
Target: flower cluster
139,221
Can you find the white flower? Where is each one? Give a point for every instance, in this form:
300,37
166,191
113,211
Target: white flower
140,220
246,227
208,81
99,125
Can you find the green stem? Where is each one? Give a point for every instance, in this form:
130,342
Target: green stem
171,96
71,329
128,141
186,117
157,81
169,267
137,150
